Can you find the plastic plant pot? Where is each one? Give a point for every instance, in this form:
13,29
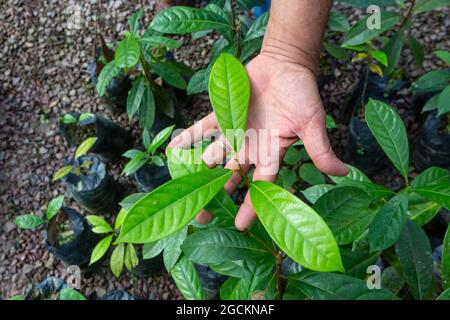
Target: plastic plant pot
46,290
210,280
433,145
112,140
93,188
150,177
148,267
118,295
70,239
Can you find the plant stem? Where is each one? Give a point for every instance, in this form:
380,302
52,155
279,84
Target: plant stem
242,173
366,80
146,73
236,27
408,14
279,261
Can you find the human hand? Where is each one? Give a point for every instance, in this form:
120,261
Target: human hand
284,99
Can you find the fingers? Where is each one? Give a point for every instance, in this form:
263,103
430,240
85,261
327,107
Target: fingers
246,215
215,153
195,133
204,217
316,142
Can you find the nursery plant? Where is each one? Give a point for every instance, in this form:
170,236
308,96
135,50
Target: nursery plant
150,156
144,58
332,240
31,221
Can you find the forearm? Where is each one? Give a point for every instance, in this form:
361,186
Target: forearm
295,31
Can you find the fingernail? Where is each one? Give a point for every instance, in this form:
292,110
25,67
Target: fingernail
175,142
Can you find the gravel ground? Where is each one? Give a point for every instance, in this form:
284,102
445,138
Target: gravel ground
44,74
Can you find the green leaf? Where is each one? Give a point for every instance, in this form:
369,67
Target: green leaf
417,50
153,249
387,225
287,178
170,207
85,146
331,286
131,259
428,5
357,261
85,116
360,33
414,252
432,103
444,101
70,294
431,176
28,221
116,261
392,280
160,138
219,245
422,213
187,280
156,41
292,156
158,161
61,173
390,133
338,22
366,3
354,175
346,211
235,269
380,56
172,251
443,55
17,297
199,82
100,249
182,162
393,50
258,28
133,21
222,206
229,91
53,207
309,173
128,52
169,74
445,260
444,295
313,193
432,81
439,193
109,72
135,164
258,275
182,20
135,96
336,51
147,109
69,119
99,224
296,228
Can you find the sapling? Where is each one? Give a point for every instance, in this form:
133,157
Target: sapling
144,58
150,156
31,221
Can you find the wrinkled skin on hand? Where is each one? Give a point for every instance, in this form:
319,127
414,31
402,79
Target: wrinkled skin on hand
284,96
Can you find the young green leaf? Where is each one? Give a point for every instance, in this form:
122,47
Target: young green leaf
172,251
135,97
117,259
431,176
70,294
296,228
287,178
346,211
229,91
428,5
85,116
182,20
443,55
128,52
338,22
309,173
414,252
445,260
153,249
354,175
313,193
331,286
258,28
380,56
169,74
357,260
219,245
61,173
85,146
199,82
158,161
393,50
422,213
135,164
156,41
147,109
170,207
390,133
444,101
182,162
187,280
160,138
387,225
28,221
432,81
133,21
131,259
99,224
100,249
69,119
336,51
439,193
417,50
53,207
109,72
